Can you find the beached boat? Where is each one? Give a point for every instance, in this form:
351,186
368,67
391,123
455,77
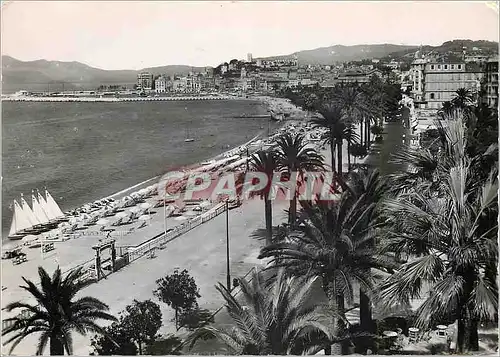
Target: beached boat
44,215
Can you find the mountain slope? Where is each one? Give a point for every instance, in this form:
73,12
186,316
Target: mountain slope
455,46
42,75
340,53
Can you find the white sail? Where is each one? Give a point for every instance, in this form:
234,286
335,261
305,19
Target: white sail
19,220
38,210
28,212
53,206
44,207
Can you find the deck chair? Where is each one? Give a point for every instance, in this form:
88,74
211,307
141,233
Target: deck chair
118,222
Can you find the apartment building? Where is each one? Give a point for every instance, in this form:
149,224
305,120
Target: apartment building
161,84
145,81
443,79
417,79
490,96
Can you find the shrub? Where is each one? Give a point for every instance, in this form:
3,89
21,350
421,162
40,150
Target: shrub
377,130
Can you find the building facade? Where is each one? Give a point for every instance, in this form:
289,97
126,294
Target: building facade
161,85
490,96
145,81
442,80
417,79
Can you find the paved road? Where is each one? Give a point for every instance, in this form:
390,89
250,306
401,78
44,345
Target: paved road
393,142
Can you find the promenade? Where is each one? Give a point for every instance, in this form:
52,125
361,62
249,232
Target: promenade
201,251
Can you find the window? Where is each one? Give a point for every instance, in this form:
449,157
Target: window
459,66
432,95
452,66
439,66
432,66
445,66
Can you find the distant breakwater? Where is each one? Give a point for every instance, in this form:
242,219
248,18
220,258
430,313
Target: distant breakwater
113,99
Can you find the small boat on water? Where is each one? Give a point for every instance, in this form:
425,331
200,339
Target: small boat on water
43,216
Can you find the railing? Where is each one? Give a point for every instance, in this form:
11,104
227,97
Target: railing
139,251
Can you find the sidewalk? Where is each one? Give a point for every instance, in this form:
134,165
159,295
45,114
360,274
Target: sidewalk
201,251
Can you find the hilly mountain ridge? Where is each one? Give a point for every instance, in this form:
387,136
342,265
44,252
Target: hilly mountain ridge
43,75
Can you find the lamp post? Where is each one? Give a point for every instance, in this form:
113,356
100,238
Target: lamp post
248,157
165,214
227,246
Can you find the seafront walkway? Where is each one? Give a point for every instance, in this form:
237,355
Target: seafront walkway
201,251
114,99
378,156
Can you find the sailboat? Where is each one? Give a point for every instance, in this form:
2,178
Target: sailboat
44,215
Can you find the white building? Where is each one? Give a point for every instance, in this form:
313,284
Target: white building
417,77
161,85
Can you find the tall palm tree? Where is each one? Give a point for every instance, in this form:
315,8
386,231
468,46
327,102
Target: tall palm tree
369,189
335,122
446,109
265,162
271,319
453,254
295,157
354,105
332,243
57,314
464,99
449,233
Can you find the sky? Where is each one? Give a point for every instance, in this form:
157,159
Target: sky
140,34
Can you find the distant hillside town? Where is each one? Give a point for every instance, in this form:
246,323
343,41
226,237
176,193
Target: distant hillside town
430,74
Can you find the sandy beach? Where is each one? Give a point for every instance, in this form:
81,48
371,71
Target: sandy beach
201,251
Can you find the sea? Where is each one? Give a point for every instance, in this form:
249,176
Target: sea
86,151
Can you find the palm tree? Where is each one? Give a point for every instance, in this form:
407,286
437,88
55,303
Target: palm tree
334,244
353,102
334,120
453,254
449,234
274,318
294,158
57,313
369,189
446,110
265,162
464,99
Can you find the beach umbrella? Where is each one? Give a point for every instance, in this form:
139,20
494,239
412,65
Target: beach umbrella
143,192
145,217
121,215
145,205
102,221
180,218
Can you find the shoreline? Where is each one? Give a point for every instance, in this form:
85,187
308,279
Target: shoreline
119,99
266,101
